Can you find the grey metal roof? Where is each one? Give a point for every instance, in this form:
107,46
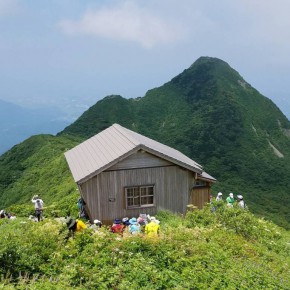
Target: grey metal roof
206,176
115,144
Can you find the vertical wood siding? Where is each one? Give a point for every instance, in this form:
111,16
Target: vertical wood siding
200,196
172,187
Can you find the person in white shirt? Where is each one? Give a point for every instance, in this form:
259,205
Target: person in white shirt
219,197
38,205
241,202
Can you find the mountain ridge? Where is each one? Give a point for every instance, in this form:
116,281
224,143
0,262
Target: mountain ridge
209,113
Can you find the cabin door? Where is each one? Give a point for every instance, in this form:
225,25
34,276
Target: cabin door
200,196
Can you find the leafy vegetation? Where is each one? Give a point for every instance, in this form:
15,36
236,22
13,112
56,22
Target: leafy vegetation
208,112
38,166
225,249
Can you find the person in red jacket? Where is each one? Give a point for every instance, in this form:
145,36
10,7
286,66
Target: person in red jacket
117,227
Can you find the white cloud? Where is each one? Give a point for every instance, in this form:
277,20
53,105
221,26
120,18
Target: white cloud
125,22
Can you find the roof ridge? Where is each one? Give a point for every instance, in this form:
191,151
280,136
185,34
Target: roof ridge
126,134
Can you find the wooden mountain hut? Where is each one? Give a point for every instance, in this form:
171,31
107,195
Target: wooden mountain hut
121,173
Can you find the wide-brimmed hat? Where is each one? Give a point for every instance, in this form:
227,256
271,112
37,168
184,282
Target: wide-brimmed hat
239,196
219,194
125,221
133,221
154,220
70,223
117,221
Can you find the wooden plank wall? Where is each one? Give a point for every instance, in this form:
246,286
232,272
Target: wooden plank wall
172,191
200,196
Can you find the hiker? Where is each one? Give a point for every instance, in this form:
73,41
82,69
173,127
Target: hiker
152,228
98,223
3,214
117,227
125,221
210,198
38,205
142,219
81,206
74,226
241,202
134,227
219,197
95,225
230,200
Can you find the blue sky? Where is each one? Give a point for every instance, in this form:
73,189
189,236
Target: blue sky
61,51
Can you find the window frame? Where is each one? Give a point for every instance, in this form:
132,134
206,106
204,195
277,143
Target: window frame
138,195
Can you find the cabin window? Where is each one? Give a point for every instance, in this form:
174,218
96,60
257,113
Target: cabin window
139,196
200,183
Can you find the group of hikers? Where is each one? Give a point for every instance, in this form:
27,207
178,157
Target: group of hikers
143,224
38,206
4,214
231,201
134,226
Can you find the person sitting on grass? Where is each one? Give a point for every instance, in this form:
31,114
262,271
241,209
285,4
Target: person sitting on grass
74,226
134,227
117,227
152,228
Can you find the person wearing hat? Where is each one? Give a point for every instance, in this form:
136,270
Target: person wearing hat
134,227
241,202
117,227
125,221
219,197
75,226
38,206
96,225
153,227
230,200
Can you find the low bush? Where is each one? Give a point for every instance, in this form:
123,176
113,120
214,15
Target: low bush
203,250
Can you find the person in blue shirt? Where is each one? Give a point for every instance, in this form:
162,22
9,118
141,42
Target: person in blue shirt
134,227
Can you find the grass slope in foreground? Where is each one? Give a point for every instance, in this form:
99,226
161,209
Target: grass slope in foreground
228,249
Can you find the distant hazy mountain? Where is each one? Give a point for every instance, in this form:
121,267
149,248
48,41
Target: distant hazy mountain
18,123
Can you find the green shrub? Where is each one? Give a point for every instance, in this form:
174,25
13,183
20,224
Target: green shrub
204,250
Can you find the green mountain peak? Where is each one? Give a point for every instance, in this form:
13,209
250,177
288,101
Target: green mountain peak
208,112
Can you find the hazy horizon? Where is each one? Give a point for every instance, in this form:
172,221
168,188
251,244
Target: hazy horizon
70,54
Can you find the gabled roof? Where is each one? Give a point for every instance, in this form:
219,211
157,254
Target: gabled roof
114,144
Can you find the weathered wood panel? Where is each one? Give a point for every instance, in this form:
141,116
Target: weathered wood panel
200,196
140,159
105,196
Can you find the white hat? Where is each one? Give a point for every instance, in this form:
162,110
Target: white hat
97,222
231,195
239,196
219,194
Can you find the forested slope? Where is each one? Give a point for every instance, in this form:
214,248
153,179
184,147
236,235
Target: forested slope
210,113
